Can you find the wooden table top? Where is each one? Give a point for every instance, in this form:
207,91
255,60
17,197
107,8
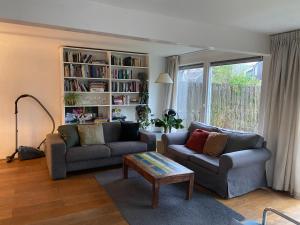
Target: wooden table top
157,165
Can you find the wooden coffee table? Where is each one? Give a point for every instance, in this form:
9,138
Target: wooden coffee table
158,169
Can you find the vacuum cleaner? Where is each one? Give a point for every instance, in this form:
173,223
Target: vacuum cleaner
26,152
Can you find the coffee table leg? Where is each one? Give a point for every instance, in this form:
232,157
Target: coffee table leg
125,170
155,194
190,187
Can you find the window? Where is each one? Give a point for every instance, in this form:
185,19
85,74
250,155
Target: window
189,93
234,94
227,95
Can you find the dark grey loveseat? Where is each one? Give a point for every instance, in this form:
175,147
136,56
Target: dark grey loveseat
61,159
239,170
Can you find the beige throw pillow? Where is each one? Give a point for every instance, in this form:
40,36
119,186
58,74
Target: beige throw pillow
91,134
215,144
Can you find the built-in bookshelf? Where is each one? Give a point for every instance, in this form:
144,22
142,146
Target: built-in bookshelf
102,85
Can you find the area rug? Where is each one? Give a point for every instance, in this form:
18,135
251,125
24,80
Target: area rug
133,198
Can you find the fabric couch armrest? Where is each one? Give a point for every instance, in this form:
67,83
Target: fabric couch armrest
55,155
243,158
149,138
177,138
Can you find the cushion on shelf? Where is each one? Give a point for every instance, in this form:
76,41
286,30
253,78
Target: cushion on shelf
91,134
215,144
197,140
69,134
129,131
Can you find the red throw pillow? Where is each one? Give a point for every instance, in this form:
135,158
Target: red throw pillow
197,140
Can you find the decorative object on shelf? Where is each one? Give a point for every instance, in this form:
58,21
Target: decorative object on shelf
143,112
98,86
117,115
78,115
71,98
168,121
164,78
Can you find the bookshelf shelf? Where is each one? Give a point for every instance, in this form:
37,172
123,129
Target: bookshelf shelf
89,64
80,106
127,105
86,78
125,80
128,92
87,92
116,78
130,67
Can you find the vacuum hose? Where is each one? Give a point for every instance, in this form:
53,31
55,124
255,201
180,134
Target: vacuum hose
11,157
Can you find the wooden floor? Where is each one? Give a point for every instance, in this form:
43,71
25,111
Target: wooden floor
29,196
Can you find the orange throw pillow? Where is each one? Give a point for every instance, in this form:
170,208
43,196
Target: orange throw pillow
215,144
197,140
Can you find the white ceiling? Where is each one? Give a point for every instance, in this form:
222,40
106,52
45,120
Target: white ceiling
265,16
96,40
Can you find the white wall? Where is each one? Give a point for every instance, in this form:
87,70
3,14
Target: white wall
31,64
96,17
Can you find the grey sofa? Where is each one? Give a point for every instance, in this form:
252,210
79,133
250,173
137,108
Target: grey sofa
239,170
61,159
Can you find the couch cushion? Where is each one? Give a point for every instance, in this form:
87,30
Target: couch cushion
126,147
91,134
83,153
69,134
197,140
206,161
242,140
129,131
111,131
198,125
181,151
215,144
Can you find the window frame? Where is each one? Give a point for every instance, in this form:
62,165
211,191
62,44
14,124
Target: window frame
207,75
196,66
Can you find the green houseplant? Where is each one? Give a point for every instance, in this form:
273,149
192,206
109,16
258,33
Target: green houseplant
143,112
168,121
71,98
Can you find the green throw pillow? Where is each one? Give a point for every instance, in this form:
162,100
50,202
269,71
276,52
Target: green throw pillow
91,134
70,135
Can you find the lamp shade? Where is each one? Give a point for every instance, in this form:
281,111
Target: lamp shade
164,78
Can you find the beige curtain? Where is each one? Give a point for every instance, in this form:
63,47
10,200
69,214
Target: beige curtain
172,65
280,113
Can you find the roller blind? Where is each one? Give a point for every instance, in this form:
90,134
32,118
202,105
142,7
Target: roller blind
193,66
237,61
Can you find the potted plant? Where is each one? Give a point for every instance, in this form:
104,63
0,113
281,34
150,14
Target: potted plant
144,94
71,98
143,112
168,121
